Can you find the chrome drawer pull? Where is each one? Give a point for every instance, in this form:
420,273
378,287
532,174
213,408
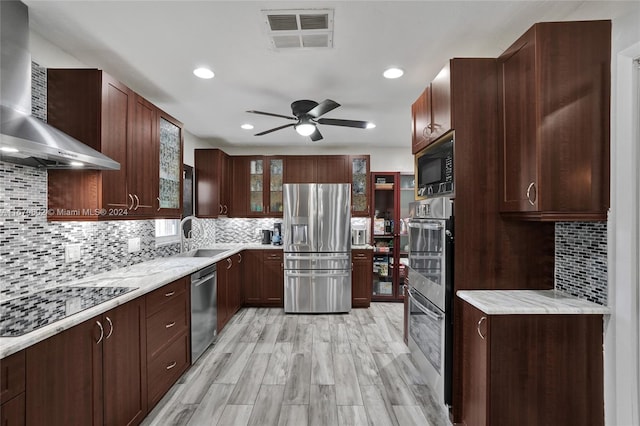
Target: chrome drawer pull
171,293
170,366
478,328
110,328
171,324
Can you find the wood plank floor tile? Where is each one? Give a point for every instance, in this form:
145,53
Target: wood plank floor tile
212,405
294,415
266,410
235,415
322,364
267,339
378,407
397,390
303,339
236,363
279,363
410,415
352,415
248,385
296,389
347,386
288,329
436,413
339,339
366,368
322,407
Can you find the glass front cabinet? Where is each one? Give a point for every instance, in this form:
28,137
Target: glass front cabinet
170,168
360,199
265,186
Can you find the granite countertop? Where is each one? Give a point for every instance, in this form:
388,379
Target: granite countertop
514,302
144,277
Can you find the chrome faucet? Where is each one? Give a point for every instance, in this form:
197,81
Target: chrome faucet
186,241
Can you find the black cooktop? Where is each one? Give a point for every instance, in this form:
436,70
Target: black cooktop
25,314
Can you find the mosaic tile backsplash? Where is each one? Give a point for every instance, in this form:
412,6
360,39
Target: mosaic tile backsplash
581,260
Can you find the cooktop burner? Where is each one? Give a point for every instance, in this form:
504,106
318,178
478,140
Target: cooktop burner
25,314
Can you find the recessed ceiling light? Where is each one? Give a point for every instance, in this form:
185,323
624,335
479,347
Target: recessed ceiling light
392,73
247,126
203,73
8,149
76,164
370,125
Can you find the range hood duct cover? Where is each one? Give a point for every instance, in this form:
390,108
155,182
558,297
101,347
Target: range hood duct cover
37,143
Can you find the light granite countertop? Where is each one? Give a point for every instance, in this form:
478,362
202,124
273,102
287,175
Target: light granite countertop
518,302
144,277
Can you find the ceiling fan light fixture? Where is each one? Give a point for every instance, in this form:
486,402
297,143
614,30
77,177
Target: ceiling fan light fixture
370,125
393,72
204,73
305,129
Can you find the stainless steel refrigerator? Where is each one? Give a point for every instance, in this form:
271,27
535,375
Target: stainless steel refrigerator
317,248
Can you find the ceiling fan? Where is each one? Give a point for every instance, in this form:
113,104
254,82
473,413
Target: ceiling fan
307,116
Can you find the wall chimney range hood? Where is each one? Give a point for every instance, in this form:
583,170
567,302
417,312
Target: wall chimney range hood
25,139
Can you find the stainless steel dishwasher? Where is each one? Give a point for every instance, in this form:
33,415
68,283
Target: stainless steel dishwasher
203,310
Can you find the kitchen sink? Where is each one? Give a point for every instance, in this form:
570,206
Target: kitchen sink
205,252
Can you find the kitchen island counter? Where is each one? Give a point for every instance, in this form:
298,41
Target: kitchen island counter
521,302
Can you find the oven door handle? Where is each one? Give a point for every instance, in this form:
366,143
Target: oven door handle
424,309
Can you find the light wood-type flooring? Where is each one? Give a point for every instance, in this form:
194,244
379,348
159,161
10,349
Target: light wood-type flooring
272,368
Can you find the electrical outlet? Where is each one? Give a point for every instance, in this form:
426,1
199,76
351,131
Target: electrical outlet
133,245
72,253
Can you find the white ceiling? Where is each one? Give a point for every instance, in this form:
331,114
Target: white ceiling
153,46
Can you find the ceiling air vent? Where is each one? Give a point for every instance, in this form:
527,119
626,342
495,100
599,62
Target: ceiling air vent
299,28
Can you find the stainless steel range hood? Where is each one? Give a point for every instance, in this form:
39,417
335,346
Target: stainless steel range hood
23,138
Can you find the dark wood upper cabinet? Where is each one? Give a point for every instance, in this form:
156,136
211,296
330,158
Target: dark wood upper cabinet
299,169
333,169
360,185
104,114
431,112
213,169
554,92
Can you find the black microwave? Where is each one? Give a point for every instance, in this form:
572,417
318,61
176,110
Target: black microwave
434,169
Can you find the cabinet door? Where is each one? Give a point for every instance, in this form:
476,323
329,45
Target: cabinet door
226,173
257,183
240,187
64,378
332,169
360,189
420,120
115,136
252,277
169,198
274,191
361,278
273,278
12,412
124,364
234,286
299,169
475,368
208,183
440,104
143,163
222,295
518,144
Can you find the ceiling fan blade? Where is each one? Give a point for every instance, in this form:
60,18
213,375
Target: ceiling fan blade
272,114
322,108
316,136
344,123
274,129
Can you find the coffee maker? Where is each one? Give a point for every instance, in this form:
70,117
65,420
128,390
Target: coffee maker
277,234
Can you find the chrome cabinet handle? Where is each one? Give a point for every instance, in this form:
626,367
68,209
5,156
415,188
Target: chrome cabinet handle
478,327
225,210
531,186
220,209
230,263
110,328
101,332
130,207
137,201
158,204
171,293
239,258
170,366
171,324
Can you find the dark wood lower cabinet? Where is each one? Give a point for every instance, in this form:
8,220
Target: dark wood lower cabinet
12,412
361,278
229,290
90,374
263,278
532,369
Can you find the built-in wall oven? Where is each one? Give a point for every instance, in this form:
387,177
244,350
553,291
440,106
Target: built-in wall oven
430,289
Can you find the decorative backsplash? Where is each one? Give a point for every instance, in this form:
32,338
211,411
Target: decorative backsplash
581,260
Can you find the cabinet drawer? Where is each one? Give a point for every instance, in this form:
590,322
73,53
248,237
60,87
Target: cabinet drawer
12,376
272,255
168,366
165,325
361,255
157,299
